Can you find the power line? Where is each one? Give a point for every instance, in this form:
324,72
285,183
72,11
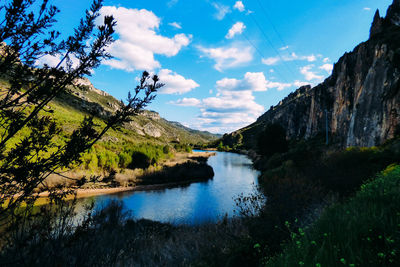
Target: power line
271,44
259,51
284,44
271,22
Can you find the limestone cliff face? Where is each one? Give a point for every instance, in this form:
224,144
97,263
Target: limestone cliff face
360,100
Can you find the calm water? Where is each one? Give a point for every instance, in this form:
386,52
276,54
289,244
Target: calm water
198,202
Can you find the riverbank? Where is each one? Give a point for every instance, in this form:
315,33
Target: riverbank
194,164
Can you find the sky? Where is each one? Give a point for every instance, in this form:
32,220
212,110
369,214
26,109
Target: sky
224,63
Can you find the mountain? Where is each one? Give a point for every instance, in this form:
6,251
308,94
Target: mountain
83,99
360,101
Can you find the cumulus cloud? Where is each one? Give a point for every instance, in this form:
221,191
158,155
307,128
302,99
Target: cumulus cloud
186,102
175,83
300,83
326,60
239,6
327,67
175,25
252,81
234,106
236,29
53,61
270,61
284,48
228,57
308,74
139,41
229,111
290,57
222,10
367,8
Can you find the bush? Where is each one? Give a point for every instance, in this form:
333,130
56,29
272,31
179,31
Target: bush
125,159
140,160
107,160
344,172
272,140
362,232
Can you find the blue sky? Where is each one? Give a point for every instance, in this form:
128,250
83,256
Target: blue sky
224,62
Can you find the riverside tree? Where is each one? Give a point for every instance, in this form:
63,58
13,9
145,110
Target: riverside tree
30,146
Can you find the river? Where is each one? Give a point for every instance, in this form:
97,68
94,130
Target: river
196,203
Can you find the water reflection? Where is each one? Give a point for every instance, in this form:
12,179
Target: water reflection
198,202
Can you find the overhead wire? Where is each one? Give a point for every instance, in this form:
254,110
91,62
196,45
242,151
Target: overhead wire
284,44
259,51
271,44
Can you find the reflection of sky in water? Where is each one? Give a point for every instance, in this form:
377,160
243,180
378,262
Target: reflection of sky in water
198,202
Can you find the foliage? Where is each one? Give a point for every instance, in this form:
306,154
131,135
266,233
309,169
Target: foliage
364,231
32,145
188,171
272,140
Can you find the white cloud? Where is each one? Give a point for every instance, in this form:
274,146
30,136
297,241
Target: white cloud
234,106
326,60
229,111
171,3
175,83
308,74
270,61
279,86
327,67
252,81
300,83
237,28
139,41
53,61
367,8
222,10
175,25
50,60
291,57
186,102
239,6
284,48
228,57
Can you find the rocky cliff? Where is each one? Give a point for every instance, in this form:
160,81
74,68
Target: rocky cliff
360,101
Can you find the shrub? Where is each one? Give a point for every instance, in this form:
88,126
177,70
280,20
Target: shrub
107,160
125,159
362,232
272,140
140,160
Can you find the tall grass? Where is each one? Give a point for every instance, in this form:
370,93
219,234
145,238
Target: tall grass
364,231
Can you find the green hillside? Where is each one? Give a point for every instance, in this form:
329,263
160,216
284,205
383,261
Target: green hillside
144,141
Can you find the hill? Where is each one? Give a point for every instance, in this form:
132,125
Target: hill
143,142
84,99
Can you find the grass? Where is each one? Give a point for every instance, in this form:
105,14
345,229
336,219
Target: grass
364,231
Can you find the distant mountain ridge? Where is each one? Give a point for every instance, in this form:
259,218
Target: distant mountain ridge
84,97
360,101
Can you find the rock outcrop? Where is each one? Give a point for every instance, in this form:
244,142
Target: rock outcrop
360,100
85,82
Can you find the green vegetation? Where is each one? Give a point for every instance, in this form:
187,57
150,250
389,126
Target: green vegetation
272,140
363,231
190,171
